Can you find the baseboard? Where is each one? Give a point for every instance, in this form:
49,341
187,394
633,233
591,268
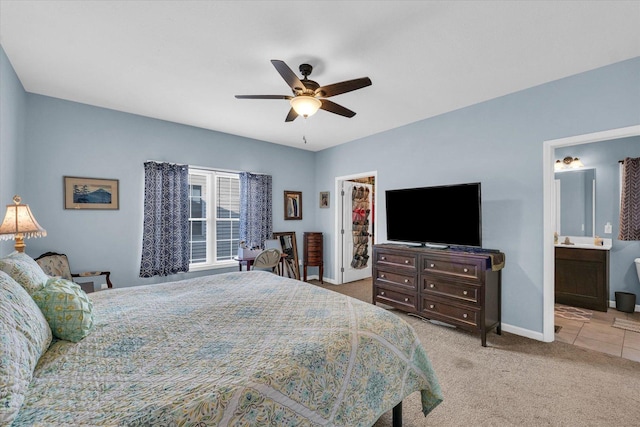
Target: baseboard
317,277
527,333
612,304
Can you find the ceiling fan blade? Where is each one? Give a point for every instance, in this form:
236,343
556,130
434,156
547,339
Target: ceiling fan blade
264,96
288,75
343,87
291,116
332,107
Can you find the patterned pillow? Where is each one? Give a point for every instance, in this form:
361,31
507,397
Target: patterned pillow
67,309
24,337
24,270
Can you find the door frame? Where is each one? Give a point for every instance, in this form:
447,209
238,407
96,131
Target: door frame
338,249
548,161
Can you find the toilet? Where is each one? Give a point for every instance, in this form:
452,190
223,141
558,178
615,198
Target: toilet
626,301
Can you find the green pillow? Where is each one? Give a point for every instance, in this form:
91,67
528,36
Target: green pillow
24,270
67,309
24,337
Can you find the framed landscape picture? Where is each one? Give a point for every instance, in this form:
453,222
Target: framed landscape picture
90,193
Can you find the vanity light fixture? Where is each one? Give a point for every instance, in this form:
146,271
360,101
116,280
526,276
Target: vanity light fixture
568,163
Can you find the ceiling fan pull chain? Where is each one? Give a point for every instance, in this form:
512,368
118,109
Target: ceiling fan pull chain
304,130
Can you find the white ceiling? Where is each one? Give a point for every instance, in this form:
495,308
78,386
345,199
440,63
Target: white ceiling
183,61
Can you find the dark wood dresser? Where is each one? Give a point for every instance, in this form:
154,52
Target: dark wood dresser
455,287
313,253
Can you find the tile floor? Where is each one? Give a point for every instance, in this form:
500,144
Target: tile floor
598,334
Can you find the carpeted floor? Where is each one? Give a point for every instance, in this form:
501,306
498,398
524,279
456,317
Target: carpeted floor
516,381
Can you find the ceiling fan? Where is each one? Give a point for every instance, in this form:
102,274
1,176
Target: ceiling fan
309,96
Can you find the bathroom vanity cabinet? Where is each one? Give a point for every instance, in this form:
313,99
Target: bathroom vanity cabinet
582,278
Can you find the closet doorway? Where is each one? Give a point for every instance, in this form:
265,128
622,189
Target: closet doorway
355,226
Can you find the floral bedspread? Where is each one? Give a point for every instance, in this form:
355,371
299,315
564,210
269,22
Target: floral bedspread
234,349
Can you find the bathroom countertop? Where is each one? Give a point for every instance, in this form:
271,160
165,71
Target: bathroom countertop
581,242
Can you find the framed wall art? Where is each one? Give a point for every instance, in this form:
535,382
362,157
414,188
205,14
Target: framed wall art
90,193
292,205
324,199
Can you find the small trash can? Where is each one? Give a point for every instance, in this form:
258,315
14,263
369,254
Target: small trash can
625,301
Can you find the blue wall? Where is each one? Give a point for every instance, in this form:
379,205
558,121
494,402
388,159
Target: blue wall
12,125
498,143
67,138
604,157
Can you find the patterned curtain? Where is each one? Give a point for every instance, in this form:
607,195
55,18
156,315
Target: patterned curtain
256,223
165,239
630,203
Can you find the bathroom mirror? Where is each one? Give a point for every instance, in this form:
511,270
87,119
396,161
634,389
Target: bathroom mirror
575,202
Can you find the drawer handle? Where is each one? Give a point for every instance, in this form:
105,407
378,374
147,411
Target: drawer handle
406,300
406,280
431,305
465,315
466,270
406,261
431,285
432,265
464,292
383,258
382,293
382,276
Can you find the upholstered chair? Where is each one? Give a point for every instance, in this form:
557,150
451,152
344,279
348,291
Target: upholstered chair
57,265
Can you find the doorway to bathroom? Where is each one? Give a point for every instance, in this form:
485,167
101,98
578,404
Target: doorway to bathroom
549,150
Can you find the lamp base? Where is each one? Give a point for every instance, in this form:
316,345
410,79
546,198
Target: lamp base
19,246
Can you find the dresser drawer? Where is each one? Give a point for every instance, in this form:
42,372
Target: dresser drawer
453,290
314,256
458,268
396,260
432,308
394,298
386,278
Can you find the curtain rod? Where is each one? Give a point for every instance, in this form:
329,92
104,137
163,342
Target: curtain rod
207,168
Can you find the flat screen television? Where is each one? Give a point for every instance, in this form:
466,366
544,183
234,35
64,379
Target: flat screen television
438,216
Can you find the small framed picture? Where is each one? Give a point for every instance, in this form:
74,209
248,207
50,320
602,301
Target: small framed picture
292,205
324,199
90,193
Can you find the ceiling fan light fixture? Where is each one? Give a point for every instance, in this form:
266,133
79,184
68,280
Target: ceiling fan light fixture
305,105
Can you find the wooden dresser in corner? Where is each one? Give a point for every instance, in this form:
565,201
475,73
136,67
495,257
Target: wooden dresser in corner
455,287
313,253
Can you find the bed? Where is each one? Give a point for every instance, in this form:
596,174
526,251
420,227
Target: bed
232,349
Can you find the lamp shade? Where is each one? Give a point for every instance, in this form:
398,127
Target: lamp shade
305,105
19,223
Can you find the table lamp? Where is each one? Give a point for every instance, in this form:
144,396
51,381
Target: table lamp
19,224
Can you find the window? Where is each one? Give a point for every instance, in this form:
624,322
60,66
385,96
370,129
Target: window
214,219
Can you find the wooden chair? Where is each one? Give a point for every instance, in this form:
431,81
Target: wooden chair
55,264
267,260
